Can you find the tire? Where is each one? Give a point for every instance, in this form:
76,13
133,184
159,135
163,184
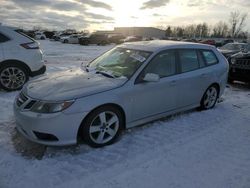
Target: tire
13,77
102,126
230,80
65,41
210,98
84,43
103,43
42,38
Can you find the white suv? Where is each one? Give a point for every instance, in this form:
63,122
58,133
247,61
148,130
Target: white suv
20,58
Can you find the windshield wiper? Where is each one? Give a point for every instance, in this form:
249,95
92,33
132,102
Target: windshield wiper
107,74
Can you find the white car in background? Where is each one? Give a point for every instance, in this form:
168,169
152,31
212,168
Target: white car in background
129,85
20,58
40,36
71,39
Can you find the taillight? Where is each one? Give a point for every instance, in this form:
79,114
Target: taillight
30,45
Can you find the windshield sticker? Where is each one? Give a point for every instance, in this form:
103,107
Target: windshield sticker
138,57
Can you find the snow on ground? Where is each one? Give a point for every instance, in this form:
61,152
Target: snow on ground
208,149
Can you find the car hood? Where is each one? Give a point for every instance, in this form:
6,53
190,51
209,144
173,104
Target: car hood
241,55
70,85
228,51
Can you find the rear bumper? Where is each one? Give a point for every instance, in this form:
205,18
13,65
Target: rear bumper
42,70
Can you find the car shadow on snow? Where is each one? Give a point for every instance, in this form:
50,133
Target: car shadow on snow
25,147
239,86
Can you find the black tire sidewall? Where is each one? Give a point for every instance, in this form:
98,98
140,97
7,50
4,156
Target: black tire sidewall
17,66
85,135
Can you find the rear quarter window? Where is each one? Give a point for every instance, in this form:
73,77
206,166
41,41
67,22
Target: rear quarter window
209,57
3,38
21,33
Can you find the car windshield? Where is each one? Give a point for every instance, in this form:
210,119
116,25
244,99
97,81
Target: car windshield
233,46
119,62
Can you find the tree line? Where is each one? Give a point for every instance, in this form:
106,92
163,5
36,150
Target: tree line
233,28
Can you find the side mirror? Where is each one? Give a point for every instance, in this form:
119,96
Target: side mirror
151,77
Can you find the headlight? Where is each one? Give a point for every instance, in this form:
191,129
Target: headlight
233,61
46,107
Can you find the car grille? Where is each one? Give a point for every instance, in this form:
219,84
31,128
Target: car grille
242,63
25,101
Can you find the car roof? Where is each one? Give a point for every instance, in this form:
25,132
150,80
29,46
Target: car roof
237,43
157,45
8,27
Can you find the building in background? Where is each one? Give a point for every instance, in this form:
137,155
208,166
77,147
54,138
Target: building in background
141,31
148,32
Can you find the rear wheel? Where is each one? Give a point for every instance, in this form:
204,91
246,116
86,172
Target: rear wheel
13,77
210,97
102,126
66,41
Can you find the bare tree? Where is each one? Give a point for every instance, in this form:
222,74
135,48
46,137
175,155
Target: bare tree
237,22
220,29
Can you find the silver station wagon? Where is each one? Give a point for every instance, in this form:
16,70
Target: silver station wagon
129,85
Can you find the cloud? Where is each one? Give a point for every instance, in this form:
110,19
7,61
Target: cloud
96,4
98,16
56,14
154,4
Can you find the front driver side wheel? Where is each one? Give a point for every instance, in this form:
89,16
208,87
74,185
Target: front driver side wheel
102,126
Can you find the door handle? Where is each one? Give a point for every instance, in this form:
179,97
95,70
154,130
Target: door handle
173,83
204,75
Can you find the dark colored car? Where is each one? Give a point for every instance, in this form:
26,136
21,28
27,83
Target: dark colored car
210,42
232,48
49,34
99,39
223,42
240,67
133,39
115,38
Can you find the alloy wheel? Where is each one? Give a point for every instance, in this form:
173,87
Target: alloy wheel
12,78
210,97
104,127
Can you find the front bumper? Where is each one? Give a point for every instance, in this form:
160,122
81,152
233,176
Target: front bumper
42,70
61,125
239,74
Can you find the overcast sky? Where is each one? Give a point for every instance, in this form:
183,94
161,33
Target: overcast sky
106,14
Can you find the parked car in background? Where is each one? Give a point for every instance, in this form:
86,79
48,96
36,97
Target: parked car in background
115,38
40,36
210,42
49,34
223,42
129,85
232,48
190,40
240,66
20,58
133,39
58,36
72,39
99,39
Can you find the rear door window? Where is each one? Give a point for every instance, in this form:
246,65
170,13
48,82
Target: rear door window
209,57
188,60
3,38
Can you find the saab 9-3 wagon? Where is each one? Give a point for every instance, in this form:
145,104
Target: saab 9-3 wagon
129,85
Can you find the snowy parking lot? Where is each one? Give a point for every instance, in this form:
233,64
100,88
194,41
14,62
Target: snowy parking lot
207,149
